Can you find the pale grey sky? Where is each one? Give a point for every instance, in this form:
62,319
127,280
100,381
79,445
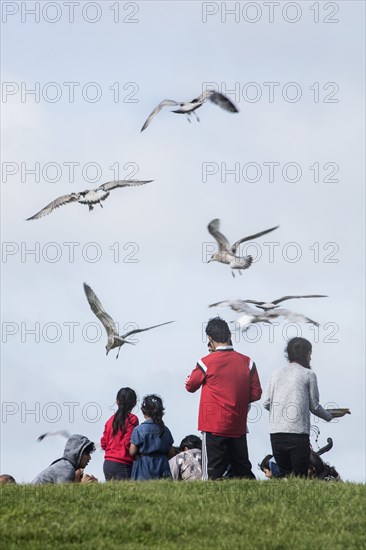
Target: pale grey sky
297,164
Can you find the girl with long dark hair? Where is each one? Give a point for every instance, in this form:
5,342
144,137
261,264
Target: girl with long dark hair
292,394
117,435
151,442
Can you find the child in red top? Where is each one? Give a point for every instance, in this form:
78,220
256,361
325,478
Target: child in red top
117,435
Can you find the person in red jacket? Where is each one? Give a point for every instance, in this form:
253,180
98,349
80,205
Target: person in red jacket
117,437
229,382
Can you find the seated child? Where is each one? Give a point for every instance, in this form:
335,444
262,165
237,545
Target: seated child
6,478
269,467
187,464
71,466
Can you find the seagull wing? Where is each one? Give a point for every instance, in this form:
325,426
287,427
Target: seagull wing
253,302
122,183
213,229
98,310
222,101
136,330
202,97
60,201
158,108
62,433
290,315
236,305
293,297
251,238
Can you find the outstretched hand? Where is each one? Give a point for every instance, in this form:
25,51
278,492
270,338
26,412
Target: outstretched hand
338,413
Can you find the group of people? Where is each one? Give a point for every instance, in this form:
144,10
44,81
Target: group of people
229,383
132,450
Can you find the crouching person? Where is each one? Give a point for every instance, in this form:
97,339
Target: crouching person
70,467
187,465
6,478
270,467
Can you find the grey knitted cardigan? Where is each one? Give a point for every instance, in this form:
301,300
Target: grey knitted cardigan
291,395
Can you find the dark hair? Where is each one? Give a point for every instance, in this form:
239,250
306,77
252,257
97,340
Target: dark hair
297,351
264,465
191,442
218,330
174,451
89,448
152,406
322,470
330,474
7,478
126,400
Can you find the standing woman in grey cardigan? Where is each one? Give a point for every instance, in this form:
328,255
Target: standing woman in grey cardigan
291,395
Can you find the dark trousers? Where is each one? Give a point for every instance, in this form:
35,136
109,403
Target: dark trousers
219,452
292,453
116,470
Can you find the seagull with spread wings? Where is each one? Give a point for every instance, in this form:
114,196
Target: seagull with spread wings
252,316
64,434
291,316
60,433
266,306
114,339
189,107
238,305
88,197
227,253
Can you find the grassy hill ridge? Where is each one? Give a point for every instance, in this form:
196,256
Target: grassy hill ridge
233,514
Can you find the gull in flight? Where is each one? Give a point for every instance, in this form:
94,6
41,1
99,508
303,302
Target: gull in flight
227,254
88,197
189,107
266,306
64,434
61,433
114,339
238,305
267,316
252,316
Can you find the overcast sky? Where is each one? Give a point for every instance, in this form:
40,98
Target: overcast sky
79,80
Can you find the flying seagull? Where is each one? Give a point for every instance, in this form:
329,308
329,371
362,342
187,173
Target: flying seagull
252,316
237,304
189,107
266,306
289,315
114,339
227,254
61,433
89,197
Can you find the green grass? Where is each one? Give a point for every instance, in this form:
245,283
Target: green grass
233,514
